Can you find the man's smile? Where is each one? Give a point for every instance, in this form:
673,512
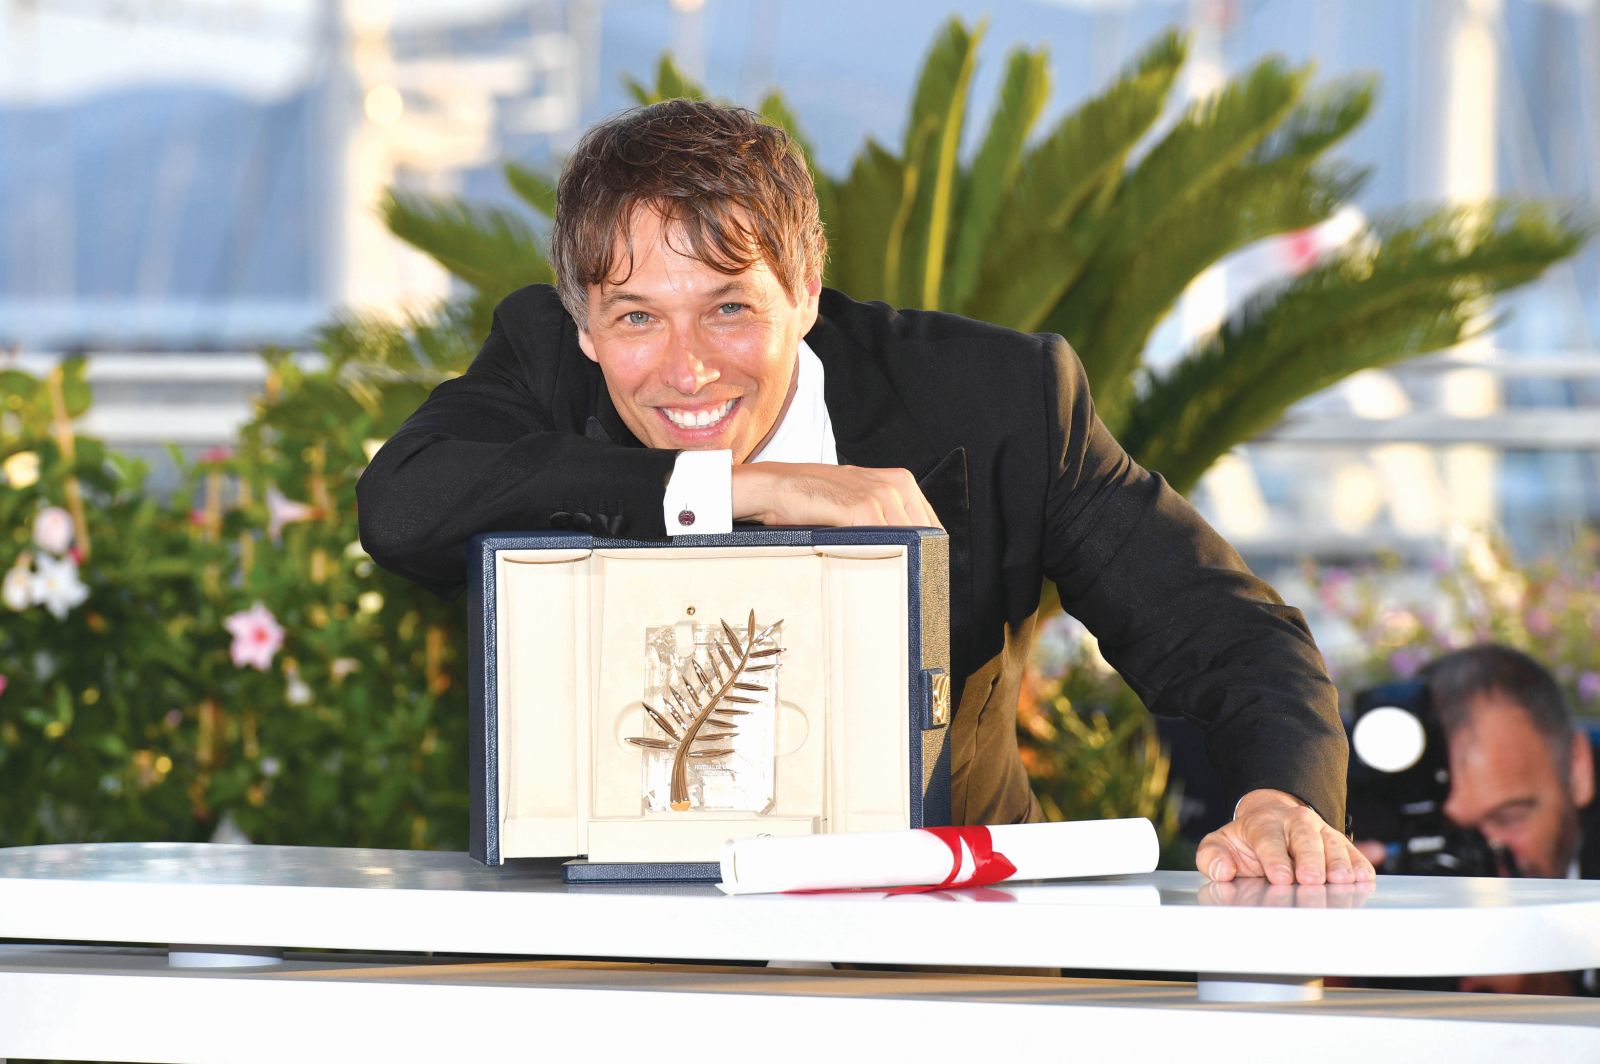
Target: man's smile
704,419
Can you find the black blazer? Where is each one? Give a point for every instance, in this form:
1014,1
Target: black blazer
1000,429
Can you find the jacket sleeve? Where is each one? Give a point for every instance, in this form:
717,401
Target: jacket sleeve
1178,613
484,454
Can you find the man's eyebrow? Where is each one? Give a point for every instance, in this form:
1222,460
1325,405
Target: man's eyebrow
620,295
1510,805
732,288
609,301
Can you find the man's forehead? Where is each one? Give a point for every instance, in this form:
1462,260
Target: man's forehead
1498,744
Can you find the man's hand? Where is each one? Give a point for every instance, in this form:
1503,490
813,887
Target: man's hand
1274,835
791,493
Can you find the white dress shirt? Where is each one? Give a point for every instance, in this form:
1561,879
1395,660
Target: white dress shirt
699,496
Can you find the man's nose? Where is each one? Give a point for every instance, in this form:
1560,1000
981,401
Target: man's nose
687,371
1452,810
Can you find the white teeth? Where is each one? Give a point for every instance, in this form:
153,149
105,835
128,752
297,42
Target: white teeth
698,419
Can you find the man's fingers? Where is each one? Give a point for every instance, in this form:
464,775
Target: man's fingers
1213,859
1270,847
1304,836
1340,856
1365,871
1223,855
798,494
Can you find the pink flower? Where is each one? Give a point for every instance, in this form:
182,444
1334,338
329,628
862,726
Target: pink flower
257,636
1300,249
2,684
52,530
285,511
1539,622
216,454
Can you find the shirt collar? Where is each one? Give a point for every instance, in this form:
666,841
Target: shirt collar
805,434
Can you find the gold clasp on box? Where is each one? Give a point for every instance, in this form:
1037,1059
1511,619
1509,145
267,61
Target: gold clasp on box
938,698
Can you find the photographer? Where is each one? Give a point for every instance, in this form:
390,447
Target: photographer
1520,773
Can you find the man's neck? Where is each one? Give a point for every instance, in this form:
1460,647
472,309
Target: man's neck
788,401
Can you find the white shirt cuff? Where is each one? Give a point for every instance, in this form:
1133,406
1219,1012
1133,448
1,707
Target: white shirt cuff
699,498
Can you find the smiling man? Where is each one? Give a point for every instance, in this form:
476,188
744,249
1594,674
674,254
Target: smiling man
689,370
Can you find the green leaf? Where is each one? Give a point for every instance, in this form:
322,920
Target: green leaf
1038,252
75,388
932,141
536,190
491,249
1022,97
1418,285
671,84
1213,137
18,390
1258,201
868,205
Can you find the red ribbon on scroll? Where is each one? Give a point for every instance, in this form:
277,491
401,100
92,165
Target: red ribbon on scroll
989,866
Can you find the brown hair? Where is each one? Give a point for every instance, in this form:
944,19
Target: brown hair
736,189
1458,679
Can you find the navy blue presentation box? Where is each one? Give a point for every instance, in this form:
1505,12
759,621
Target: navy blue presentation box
635,704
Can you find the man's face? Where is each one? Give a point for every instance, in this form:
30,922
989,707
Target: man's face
1506,782
695,359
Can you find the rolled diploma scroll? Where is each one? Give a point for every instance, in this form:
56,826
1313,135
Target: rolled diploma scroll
874,859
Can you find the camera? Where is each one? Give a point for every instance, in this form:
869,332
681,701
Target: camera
1399,780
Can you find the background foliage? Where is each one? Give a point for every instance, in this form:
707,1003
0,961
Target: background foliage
1481,594
1095,227
128,717
129,710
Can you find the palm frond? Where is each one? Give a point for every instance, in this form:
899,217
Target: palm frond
1257,201
983,188
1030,262
869,202
671,84
933,140
535,189
491,249
1203,148
1419,285
1278,188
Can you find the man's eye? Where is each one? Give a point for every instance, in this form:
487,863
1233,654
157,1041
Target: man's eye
730,308
638,317
1509,820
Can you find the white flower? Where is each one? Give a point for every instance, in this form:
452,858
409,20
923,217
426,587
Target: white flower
297,692
21,469
56,586
52,530
17,591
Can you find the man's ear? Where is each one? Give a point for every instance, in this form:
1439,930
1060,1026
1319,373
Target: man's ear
586,344
1582,781
813,296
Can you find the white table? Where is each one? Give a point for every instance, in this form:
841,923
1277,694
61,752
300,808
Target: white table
1254,942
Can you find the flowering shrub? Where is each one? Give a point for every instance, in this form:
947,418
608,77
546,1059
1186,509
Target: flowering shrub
226,657
1550,609
1090,748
